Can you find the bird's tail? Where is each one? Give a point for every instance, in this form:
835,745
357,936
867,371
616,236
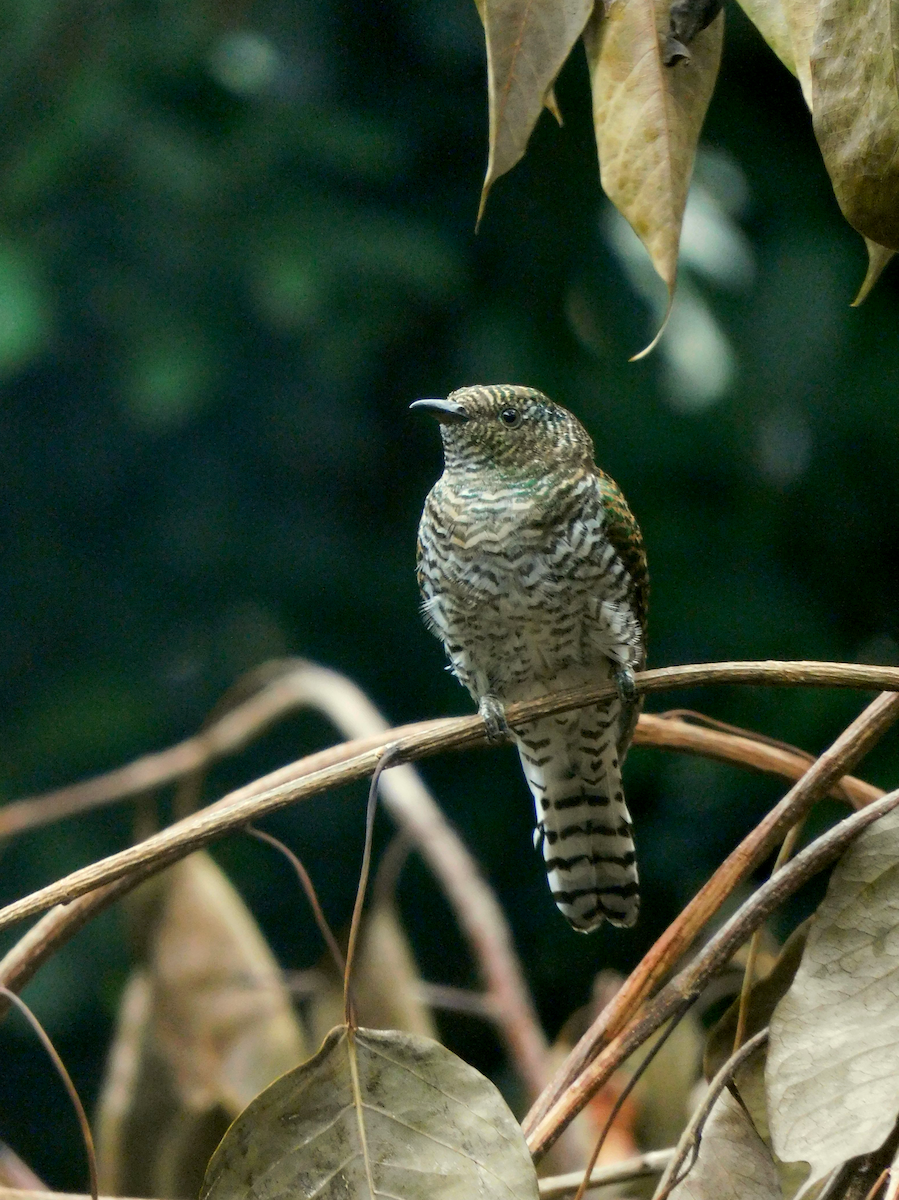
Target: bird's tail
572,766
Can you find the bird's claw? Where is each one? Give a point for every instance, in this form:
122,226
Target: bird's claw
493,715
626,685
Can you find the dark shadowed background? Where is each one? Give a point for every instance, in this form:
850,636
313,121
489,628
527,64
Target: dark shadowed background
236,241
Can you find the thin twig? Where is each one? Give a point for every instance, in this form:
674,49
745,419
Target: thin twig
237,728
878,1183
66,1078
478,911
10,1193
787,847
386,760
563,1098
621,1099
690,1138
556,1187
711,960
311,895
356,760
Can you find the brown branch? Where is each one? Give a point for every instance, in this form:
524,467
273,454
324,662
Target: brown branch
319,771
746,750
87,892
236,729
480,916
339,765
15,1173
685,987
575,1081
554,1187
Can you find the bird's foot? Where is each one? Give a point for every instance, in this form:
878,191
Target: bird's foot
493,715
626,685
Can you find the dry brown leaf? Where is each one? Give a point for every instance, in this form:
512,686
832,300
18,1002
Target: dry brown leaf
801,16
528,41
833,1052
770,19
647,118
749,1081
733,1162
203,1028
764,996
878,257
856,111
375,1113
387,986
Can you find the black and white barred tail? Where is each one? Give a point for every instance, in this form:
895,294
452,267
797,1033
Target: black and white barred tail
571,762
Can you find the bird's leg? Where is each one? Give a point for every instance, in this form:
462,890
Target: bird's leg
626,685
493,715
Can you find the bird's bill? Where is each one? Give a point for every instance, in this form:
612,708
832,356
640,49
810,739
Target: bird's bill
448,412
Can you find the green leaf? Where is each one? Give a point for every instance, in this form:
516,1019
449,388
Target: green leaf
833,1054
375,1113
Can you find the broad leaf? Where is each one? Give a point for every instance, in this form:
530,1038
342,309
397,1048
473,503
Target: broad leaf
201,1029
833,1056
387,984
375,1114
733,1162
856,111
770,20
764,996
801,17
788,26
528,42
878,257
750,1084
647,118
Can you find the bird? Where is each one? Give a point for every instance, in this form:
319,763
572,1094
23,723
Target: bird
533,575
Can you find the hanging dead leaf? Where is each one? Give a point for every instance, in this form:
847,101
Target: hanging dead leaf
856,111
763,998
387,986
801,16
203,1028
770,19
733,1162
647,118
833,1054
878,257
749,1080
789,28
528,42
375,1113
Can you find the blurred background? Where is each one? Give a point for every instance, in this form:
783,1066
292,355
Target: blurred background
236,241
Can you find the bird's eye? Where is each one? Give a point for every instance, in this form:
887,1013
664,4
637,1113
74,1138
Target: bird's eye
510,417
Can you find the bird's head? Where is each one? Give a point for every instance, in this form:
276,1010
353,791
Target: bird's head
514,429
